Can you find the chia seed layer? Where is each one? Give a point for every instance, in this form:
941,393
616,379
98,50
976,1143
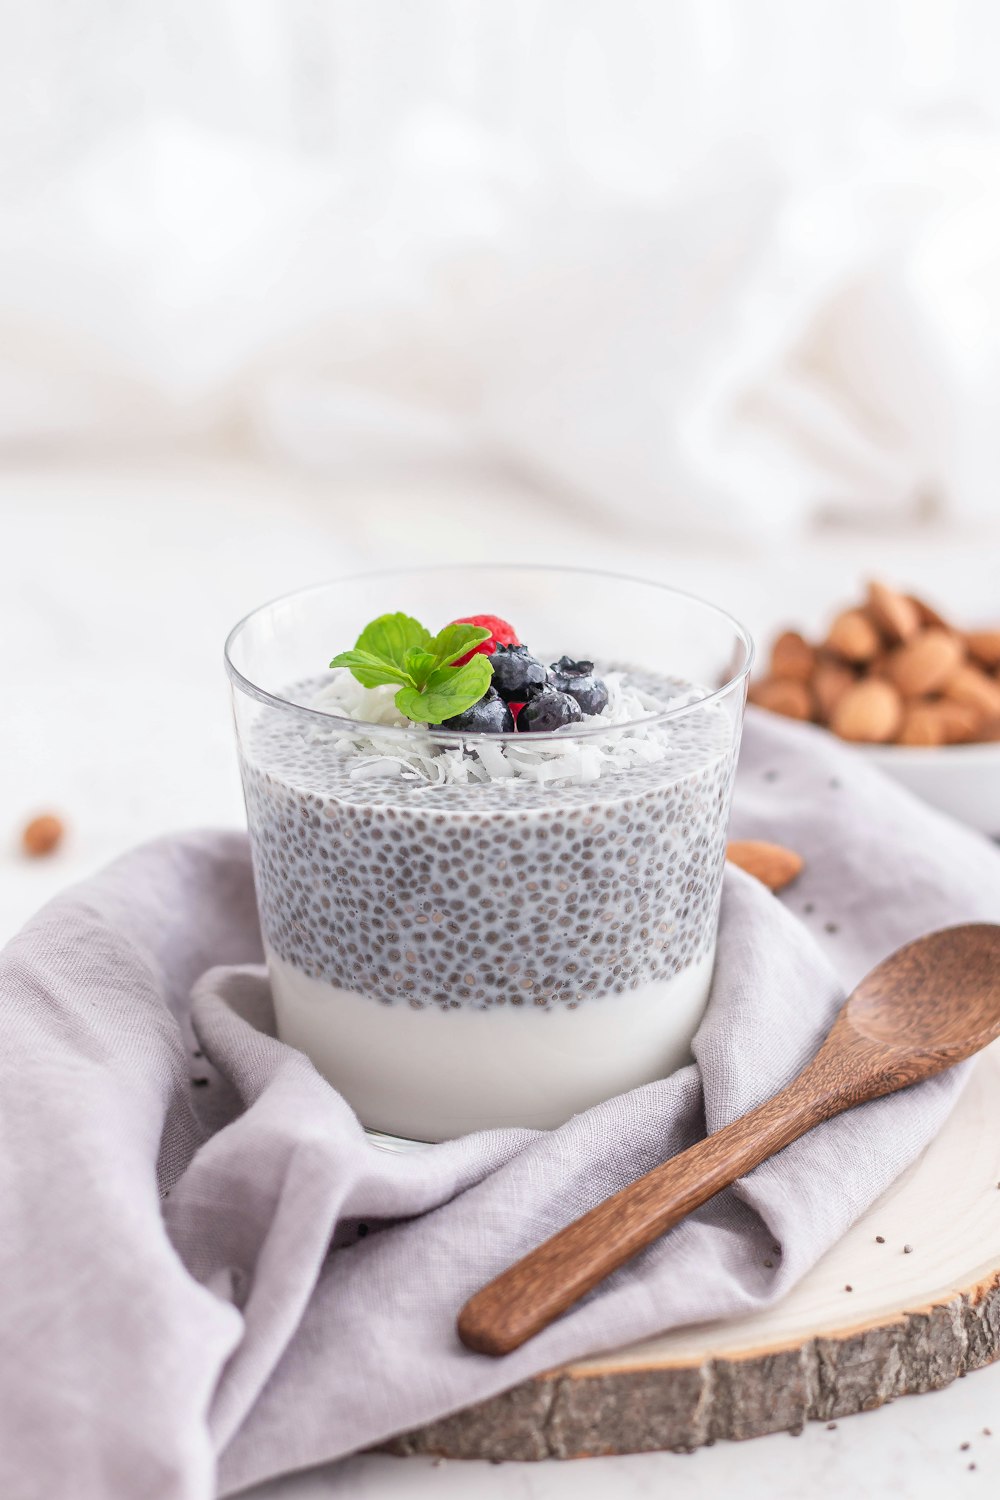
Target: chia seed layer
490,893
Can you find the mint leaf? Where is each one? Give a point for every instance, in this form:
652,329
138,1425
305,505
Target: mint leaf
380,651
370,671
449,691
455,640
419,665
391,636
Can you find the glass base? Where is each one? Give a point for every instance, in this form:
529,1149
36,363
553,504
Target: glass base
397,1143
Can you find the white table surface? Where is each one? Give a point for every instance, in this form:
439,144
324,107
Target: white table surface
118,581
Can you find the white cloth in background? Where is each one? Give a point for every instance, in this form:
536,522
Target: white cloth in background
705,267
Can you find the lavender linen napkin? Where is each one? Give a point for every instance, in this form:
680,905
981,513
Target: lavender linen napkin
174,1322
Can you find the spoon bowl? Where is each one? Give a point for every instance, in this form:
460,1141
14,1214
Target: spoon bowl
941,992
923,1009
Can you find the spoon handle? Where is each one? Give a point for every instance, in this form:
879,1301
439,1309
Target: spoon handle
525,1298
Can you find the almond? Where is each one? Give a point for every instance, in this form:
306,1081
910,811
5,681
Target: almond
923,724
853,636
870,711
971,686
927,614
42,835
772,864
792,656
783,695
894,614
831,680
926,662
984,645
961,721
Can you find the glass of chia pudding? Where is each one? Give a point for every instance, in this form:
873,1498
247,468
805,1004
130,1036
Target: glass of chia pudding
488,847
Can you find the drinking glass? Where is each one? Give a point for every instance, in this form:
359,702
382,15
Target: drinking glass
457,935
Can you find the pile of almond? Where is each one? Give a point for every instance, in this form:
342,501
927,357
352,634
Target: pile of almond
891,671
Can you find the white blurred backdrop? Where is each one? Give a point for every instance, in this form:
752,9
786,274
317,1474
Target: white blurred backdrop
717,266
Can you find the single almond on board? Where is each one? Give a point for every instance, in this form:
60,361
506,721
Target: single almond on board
870,711
984,646
772,864
894,614
783,695
42,835
925,664
972,686
923,724
853,636
792,656
831,680
961,721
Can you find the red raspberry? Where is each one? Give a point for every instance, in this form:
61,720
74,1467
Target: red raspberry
500,634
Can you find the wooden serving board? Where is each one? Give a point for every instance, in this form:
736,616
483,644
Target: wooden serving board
912,1322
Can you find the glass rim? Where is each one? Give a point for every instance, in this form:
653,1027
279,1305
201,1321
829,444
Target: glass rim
405,732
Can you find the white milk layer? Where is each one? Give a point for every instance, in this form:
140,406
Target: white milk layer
433,1074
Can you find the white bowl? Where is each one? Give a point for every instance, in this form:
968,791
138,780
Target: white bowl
963,780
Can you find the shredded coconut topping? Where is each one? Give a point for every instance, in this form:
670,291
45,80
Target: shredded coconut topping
626,745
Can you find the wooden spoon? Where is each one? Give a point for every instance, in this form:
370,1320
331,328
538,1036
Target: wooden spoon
923,1009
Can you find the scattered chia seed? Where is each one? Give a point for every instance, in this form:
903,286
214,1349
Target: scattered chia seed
831,1426
848,1288
775,1249
830,927
809,908
964,1447
907,1249
769,1265
200,1083
880,1239
197,1052
987,1432
972,1466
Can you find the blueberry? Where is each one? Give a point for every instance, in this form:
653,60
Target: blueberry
489,716
577,678
516,673
548,710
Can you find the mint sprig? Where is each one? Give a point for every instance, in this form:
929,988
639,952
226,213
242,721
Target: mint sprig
397,649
